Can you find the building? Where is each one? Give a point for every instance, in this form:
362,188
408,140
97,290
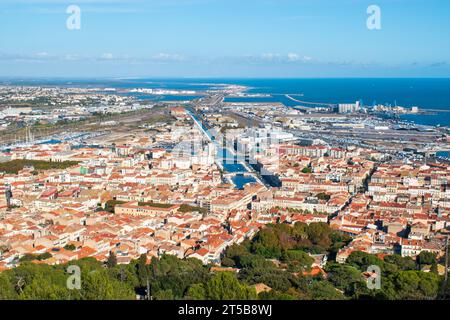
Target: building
349,107
148,209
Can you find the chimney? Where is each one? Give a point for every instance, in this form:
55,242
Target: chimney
8,195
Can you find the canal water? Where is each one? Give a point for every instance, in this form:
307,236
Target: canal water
229,161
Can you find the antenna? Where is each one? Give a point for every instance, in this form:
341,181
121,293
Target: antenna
446,261
8,195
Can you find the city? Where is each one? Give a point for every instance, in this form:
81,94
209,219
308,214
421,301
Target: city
224,159
196,179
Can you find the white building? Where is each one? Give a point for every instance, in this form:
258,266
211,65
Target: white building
349,107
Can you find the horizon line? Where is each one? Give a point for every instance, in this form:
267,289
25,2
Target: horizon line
119,78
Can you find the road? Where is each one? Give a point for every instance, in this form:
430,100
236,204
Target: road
312,103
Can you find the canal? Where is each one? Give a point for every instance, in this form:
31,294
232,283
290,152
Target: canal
227,159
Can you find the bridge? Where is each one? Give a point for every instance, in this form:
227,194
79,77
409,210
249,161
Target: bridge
311,103
254,175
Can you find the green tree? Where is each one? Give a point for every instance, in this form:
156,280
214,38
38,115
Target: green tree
164,295
86,264
42,288
426,258
28,257
300,231
306,170
267,244
197,292
223,286
171,273
362,260
142,270
275,295
233,255
319,235
227,262
323,196
7,291
44,256
345,277
415,285
434,268
403,263
253,261
98,286
126,273
323,290
273,277
112,261
297,260
70,247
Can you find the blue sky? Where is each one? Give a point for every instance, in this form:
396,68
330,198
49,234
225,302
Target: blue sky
225,38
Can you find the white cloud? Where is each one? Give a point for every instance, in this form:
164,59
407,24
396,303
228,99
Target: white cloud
293,57
36,56
167,57
71,57
107,56
41,55
271,57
